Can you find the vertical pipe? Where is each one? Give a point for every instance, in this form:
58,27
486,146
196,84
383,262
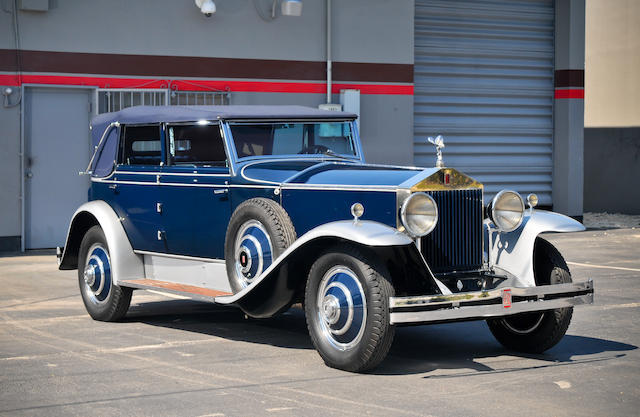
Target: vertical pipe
328,51
23,200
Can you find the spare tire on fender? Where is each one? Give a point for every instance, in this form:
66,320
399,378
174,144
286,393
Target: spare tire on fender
259,231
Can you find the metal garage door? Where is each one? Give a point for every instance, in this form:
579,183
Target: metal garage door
484,80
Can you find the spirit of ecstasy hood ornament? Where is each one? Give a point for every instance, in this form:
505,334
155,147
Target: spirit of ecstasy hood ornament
439,144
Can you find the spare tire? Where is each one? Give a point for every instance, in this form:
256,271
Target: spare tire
259,231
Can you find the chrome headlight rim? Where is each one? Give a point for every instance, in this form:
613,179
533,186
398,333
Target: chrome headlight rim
492,211
404,214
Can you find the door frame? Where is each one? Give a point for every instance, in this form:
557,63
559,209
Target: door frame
23,199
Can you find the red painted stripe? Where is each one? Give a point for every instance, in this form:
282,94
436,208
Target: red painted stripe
570,93
206,85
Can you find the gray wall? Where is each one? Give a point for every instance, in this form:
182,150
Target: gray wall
366,31
612,170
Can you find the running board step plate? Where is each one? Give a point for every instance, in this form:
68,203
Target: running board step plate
197,293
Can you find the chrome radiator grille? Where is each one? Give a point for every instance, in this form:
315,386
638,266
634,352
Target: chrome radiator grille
456,242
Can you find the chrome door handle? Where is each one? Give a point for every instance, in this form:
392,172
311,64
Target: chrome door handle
221,191
113,187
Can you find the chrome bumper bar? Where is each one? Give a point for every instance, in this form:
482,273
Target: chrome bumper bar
486,304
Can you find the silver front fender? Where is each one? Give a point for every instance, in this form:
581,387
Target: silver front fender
362,232
513,252
125,263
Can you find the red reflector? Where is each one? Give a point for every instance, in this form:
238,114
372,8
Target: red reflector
506,298
447,179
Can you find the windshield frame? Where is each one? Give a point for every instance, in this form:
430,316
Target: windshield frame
355,137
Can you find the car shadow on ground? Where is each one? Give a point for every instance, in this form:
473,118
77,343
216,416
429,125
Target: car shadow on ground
464,348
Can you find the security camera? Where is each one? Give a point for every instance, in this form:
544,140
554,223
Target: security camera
207,7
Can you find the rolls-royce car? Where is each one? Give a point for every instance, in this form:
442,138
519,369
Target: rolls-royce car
264,207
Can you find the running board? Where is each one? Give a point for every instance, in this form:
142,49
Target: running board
197,293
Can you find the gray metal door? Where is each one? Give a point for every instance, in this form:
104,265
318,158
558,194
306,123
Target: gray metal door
484,79
56,123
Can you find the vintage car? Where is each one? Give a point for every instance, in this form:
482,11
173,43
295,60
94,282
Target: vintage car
263,207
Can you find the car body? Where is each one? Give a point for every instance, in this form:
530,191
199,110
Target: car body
262,207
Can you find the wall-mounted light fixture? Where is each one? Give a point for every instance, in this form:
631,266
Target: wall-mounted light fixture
207,7
291,8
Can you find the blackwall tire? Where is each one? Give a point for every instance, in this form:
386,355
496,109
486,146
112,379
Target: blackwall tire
347,309
103,300
537,332
259,231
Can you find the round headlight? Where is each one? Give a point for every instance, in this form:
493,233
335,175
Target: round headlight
507,210
419,214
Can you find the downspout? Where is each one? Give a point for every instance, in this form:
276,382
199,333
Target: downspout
328,51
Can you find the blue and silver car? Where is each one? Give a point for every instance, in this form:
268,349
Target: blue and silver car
262,207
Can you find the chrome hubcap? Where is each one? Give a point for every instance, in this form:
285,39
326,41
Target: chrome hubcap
331,309
97,274
90,274
253,252
341,306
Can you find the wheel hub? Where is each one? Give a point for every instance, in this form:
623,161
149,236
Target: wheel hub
90,275
331,309
341,307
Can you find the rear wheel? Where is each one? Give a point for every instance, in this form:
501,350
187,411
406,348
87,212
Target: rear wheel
537,332
103,300
347,309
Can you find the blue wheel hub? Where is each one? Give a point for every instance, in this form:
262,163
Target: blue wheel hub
253,251
341,307
97,274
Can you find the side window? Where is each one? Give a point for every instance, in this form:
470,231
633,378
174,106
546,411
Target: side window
198,145
141,145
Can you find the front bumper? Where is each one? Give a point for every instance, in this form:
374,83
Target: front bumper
487,304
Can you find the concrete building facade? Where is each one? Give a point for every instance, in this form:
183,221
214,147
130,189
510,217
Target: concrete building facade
612,106
62,61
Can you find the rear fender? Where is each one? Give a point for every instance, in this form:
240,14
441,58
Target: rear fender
513,252
125,263
277,287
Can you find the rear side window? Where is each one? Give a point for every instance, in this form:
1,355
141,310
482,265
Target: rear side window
141,145
196,145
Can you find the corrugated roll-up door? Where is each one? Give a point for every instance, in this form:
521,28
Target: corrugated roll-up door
484,80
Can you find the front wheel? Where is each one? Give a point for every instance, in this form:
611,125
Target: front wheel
103,300
347,309
537,332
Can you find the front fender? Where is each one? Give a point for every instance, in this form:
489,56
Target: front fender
275,288
125,263
513,251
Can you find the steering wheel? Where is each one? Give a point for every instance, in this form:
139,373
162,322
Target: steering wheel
313,149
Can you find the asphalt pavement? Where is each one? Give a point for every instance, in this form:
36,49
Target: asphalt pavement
176,357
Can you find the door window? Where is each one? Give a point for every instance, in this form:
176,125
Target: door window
196,145
141,145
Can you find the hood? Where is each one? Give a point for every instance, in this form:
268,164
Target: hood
304,173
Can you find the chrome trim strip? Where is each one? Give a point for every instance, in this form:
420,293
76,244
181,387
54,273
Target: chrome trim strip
182,174
336,187
435,300
184,257
304,171
218,186
487,311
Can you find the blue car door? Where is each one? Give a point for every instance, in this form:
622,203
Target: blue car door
134,186
195,190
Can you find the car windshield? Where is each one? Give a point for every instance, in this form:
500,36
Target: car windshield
264,139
